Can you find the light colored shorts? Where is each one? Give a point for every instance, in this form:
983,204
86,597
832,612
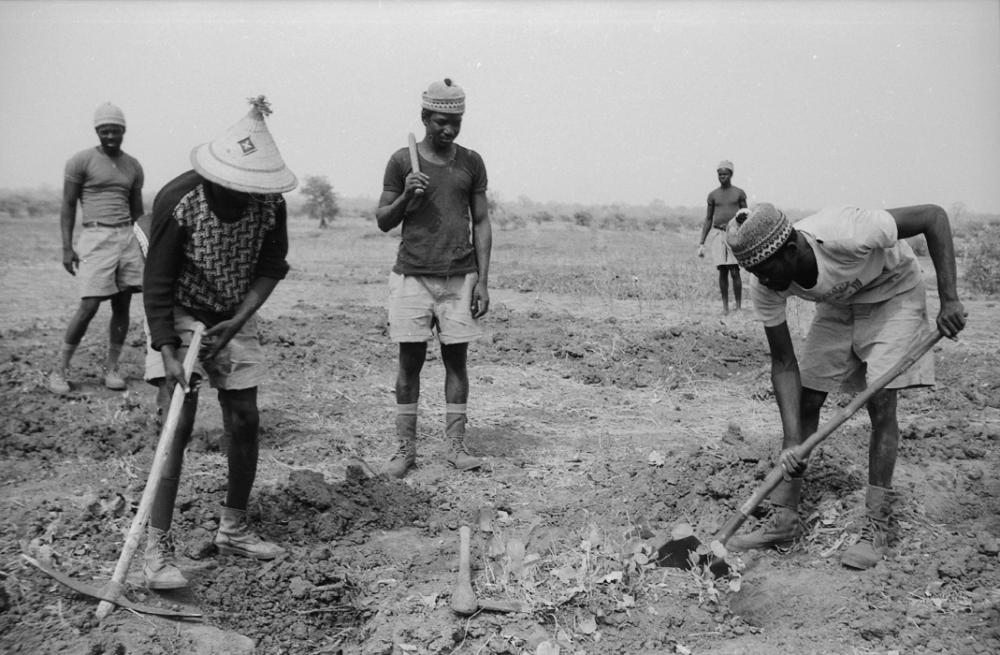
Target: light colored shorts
419,305
110,261
240,365
849,347
719,249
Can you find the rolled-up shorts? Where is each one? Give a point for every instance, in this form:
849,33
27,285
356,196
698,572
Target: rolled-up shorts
239,365
110,261
421,306
850,346
719,249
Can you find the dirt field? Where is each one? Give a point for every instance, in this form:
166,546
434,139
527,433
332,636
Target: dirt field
611,402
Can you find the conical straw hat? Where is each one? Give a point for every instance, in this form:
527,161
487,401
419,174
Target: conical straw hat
245,158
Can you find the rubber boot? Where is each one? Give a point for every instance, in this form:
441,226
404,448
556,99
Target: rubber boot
873,542
406,434
782,527
158,568
235,538
454,432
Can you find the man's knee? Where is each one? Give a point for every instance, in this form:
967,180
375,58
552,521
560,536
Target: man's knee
882,406
244,415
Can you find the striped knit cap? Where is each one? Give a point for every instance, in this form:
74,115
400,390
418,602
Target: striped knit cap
444,97
761,234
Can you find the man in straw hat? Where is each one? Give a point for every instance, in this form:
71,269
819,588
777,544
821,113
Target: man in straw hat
723,204
107,182
869,290
217,250
439,282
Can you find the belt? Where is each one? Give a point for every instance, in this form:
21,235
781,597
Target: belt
720,229
100,224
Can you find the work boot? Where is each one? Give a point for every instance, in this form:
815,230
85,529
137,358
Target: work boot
454,431
873,542
235,538
57,382
782,527
113,380
406,454
159,569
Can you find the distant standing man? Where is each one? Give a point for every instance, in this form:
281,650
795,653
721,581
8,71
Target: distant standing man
107,183
439,282
218,249
723,204
870,305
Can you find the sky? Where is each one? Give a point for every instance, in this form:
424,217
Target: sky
878,103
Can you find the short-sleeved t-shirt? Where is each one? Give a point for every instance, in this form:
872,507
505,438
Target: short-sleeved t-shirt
859,258
106,184
437,233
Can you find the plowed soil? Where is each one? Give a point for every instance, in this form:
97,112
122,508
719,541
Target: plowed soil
605,419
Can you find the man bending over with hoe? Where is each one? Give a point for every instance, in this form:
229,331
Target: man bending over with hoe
871,303
217,250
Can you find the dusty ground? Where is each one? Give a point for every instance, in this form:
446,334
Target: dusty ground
611,402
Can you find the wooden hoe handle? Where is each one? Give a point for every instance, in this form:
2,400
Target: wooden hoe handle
163,447
917,350
463,598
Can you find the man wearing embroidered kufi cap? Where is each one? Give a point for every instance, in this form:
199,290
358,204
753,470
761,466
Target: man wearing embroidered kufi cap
870,303
723,204
439,285
217,249
107,184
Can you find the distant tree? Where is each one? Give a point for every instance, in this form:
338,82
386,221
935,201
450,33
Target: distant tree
321,202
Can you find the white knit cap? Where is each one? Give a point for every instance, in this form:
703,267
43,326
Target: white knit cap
245,158
109,114
444,97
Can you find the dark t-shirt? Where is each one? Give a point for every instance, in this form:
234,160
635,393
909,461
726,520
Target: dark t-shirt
437,233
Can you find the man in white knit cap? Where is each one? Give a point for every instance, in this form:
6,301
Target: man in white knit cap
438,286
871,304
107,183
724,202
217,249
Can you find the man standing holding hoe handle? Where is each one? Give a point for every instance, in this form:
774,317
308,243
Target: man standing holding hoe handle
871,303
439,283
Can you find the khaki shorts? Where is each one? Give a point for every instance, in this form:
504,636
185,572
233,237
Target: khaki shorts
240,365
420,304
849,347
719,249
110,261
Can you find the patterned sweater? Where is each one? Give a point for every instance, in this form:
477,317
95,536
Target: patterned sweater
205,261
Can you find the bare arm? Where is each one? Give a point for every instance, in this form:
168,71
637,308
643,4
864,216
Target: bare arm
219,334
932,222
788,392
482,240
392,206
67,220
707,224
135,203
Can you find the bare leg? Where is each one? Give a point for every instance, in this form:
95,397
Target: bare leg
411,362
737,287
76,329
118,327
162,511
244,420
456,374
884,443
724,288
